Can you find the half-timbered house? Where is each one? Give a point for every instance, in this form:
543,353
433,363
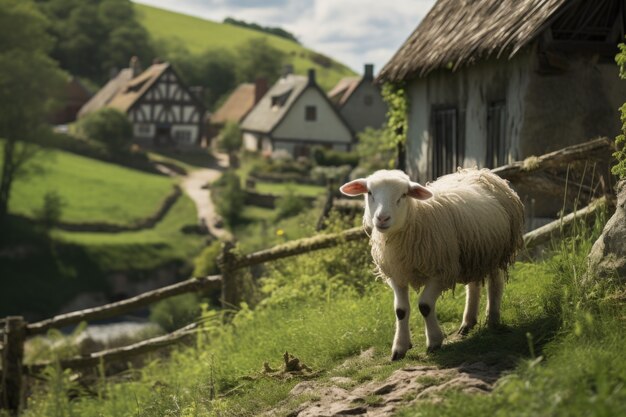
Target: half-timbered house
162,109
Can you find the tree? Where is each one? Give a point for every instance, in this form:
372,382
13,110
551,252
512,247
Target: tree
257,58
28,77
110,127
228,197
93,37
230,140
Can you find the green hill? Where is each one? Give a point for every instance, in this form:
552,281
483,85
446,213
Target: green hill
199,35
91,190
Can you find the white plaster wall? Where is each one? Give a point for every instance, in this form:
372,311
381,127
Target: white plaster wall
327,128
358,115
250,141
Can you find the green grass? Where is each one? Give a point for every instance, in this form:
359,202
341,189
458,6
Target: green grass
144,249
91,190
199,35
304,190
325,308
58,267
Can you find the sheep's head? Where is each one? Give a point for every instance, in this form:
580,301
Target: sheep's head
386,198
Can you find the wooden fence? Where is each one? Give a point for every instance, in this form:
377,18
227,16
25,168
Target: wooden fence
17,330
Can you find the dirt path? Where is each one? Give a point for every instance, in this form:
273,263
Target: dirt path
194,185
409,385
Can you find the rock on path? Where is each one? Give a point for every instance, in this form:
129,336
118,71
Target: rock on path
403,388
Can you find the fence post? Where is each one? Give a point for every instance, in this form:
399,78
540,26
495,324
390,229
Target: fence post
227,260
330,196
12,357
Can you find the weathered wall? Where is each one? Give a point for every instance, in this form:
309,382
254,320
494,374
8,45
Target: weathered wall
570,106
470,89
359,114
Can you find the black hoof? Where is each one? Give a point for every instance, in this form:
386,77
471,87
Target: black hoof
396,356
431,349
464,330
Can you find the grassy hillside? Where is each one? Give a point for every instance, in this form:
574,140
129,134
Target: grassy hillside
91,190
199,35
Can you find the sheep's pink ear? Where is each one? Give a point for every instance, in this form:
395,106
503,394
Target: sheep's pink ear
419,192
354,188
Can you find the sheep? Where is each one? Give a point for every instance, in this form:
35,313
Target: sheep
463,228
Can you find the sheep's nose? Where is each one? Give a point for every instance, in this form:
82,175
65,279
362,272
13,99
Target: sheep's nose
382,218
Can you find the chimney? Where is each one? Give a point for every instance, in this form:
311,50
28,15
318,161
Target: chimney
135,66
311,76
287,70
260,88
368,72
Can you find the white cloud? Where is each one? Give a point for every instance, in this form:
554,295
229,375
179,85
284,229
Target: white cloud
352,31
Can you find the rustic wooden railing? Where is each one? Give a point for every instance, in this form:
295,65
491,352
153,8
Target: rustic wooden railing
14,330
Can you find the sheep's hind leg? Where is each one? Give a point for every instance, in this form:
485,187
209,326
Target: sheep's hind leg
402,309
472,301
494,301
427,301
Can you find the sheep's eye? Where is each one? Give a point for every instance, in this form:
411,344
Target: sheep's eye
369,193
400,199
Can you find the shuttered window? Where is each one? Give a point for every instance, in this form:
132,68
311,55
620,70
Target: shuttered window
496,134
446,153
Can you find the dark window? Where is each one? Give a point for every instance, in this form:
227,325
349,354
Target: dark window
496,134
446,147
310,113
368,100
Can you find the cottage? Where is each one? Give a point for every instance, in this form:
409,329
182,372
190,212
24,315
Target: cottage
491,81
294,116
163,111
359,101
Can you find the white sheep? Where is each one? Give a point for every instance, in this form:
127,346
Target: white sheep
462,228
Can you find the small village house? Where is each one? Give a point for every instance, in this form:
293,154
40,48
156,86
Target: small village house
162,109
237,106
359,101
492,81
295,115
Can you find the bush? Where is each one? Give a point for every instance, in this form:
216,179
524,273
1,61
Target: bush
51,210
175,312
289,205
620,141
230,138
206,262
108,126
376,149
329,157
228,197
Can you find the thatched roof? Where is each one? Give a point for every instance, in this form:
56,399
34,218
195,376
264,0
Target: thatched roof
459,32
236,106
122,91
137,87
341,92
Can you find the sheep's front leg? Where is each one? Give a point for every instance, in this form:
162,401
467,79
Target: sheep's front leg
495,289
427,301
472,301
402,308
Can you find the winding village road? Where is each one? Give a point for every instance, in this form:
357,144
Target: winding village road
194,184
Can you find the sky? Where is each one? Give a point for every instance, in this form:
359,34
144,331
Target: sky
353,32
